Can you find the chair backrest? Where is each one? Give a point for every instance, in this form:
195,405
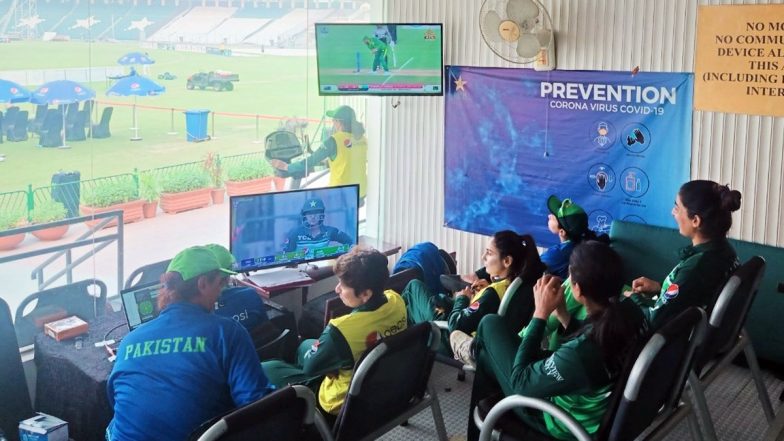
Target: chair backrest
730,310
85,299
286,414
71,111
334,308
398,281
517,305
15,405
149,273
21,119
449,260
272,343
53,120
658,375
389,378
10,114
106,115
40,112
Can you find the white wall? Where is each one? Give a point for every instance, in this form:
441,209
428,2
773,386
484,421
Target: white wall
656,35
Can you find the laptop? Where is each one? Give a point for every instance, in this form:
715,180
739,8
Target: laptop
140,304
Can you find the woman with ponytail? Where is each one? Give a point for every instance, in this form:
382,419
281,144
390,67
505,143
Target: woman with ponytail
507,256
580,374
187,365
703,212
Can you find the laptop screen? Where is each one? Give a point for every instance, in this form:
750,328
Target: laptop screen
140,304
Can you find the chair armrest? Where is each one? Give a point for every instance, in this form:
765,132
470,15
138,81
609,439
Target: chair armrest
515,401
441,324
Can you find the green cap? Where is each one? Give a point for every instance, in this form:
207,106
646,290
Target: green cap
195,261
571,217
343,113
225,258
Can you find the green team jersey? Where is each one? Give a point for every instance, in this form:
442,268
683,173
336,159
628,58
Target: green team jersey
375,43
574,378
695,281
573,307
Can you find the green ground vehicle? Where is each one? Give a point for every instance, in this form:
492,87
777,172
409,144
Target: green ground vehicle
214,80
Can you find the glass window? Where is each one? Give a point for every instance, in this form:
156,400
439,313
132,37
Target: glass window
164,98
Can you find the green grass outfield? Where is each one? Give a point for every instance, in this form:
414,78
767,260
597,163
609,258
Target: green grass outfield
418,59
284,86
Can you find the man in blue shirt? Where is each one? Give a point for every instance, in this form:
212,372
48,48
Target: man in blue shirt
187,365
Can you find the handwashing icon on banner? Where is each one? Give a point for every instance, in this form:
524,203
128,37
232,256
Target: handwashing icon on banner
601,178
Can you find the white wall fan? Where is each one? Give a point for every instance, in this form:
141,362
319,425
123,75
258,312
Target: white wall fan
519,31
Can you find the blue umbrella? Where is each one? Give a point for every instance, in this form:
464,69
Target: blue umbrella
135,58
135,85
61,92
11,92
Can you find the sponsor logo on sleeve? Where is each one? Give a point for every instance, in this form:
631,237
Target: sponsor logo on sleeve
672,291
551,369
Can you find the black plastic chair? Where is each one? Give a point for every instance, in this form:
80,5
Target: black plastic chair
18,131
726,339
286,414
101,130
646,394
51,132
146,274
10,118
38,121
15,405
71,113
390,385
55,303
75,129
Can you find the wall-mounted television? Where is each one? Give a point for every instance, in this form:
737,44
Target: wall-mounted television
276,229
380,58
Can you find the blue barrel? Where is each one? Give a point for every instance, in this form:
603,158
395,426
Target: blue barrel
196,125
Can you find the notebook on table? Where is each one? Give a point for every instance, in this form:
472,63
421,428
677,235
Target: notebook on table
281,278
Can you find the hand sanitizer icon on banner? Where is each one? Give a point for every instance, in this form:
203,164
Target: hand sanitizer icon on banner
635,182
632,183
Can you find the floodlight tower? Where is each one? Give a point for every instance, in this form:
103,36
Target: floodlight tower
26,18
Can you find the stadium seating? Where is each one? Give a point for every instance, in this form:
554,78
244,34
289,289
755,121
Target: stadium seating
289,26
235,30
159,16
194,26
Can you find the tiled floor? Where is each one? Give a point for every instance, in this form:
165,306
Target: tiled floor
733,402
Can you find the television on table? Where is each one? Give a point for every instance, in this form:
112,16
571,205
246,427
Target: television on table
380,58
287,228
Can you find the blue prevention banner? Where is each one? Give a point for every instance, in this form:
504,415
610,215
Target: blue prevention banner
618,144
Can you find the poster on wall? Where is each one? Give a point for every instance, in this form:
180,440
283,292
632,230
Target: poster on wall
618,144
739,66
